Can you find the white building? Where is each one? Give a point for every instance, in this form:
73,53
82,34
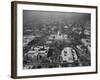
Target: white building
58,36
69,55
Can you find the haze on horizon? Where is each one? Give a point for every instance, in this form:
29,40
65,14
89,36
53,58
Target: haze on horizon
31,17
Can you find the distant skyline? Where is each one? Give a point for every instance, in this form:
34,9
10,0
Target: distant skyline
31,17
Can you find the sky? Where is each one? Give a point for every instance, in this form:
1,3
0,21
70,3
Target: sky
31,17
